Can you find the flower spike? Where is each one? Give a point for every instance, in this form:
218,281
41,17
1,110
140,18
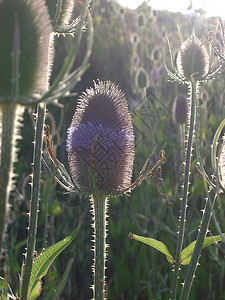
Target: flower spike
101,137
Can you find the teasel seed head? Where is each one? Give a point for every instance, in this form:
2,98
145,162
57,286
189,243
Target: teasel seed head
180,109
192,59
101,138
142,78
24,47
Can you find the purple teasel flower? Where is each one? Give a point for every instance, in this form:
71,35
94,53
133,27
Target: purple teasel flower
155,74
101,138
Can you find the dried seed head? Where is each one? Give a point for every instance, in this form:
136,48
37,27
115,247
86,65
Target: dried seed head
141,20
192,59
142,78
101,137
180,109
24,46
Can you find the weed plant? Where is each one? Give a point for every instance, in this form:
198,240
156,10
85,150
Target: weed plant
174,90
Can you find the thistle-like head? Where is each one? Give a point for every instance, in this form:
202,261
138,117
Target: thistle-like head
24,48
101,138
192,59
192,62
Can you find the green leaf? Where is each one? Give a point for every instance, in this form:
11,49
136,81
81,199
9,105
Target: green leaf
186,254
43,261
5,289
56,293
155,244
215,144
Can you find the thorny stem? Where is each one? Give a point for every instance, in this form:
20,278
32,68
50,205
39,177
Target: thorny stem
99,203
9,126
198,247
35,191
193,100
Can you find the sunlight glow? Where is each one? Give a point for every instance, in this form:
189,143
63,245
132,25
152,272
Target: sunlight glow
215,8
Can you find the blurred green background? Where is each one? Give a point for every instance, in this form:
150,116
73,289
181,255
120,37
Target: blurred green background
130,47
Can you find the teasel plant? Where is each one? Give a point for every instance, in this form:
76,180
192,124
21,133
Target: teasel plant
100,146
24,72
192,67
27,33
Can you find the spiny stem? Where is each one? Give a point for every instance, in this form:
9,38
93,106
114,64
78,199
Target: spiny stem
198,247
10,114
193,99
35,191
99,203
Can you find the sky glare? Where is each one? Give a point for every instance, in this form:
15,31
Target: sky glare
213,8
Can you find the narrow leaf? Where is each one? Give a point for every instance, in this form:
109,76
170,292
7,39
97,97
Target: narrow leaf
154,244
186,254
215,143
42,263
63,281
4,288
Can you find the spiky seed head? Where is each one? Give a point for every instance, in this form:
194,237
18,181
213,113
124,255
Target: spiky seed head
156,53
24,46
66,11
142,78
141,20
101,137
180,109
192,59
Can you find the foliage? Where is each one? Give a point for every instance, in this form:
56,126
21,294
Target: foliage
129,48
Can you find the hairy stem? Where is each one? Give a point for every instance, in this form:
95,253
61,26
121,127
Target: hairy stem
10,114
99,203
198,247
193,100
35,191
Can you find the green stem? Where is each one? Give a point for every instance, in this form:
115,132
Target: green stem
198,247
9,117
99,203
193,99
35,191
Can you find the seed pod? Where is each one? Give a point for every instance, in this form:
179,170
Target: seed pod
24,47
192,59
101,137
180,109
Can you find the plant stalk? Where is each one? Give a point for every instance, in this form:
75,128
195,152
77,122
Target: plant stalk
99,203
10,122
198,247
192,120
35,192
